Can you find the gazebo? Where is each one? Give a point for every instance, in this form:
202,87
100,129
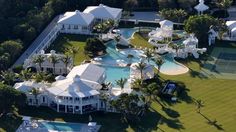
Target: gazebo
201,7
166,23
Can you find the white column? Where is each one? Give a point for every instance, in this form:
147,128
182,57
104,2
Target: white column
80,106
65,108
57,107
73,109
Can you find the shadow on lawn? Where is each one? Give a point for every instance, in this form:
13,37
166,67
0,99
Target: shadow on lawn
198,74
212,122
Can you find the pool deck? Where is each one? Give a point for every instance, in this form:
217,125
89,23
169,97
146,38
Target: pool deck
31,128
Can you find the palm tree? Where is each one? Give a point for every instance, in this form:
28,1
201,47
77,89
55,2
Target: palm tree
130,57
8,77
25,74
151,91
39,76
66,60
35,92
137,84
39,59
148,54
176,47
73,51
199,104
104,98
159,62
141,67
121,82
54,60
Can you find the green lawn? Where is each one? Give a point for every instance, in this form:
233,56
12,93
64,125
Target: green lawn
139,41
65,41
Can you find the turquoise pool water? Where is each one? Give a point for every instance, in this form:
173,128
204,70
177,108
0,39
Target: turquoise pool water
60,126
114,72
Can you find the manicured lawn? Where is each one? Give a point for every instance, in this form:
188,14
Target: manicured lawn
139,41
65,41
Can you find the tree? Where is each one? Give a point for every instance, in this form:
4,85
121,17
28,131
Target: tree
137,84
176,47
4,61
73,51
224,4
149,54
35,92
39,59
176,15
12,47
151,91
104,98
159,62
10,98
140,66
94,46
199,104
66,60
129,105
121,82
25,74
204,21
54,60
8,77
130,4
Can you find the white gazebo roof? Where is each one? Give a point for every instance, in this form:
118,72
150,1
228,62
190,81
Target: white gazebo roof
166,23
201,6
74,87
103,11
76,18
27,86
87,71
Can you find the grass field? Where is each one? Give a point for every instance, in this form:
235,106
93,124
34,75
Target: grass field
139,41
65,41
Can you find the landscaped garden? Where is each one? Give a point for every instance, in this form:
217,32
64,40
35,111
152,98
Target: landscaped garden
218,111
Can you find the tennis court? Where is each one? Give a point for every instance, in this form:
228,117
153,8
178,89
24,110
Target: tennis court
226,63
222,63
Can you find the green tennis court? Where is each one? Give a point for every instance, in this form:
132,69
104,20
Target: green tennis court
222,63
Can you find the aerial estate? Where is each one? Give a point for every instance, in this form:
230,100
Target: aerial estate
131,65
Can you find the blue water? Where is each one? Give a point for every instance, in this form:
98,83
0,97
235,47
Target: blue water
114,73
60,126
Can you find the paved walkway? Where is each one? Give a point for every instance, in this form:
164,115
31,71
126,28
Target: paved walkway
36,42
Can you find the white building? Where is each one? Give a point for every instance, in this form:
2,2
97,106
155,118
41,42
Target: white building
47,66
103,12
76,93
76,22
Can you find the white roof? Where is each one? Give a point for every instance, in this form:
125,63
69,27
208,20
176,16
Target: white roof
103,11
76,18
231,24
60,77
201,6
74,87
87,71
27,86
166,23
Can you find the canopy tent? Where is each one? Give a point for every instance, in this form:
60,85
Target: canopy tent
201,7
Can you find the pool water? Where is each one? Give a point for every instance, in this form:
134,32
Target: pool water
114,72
60,126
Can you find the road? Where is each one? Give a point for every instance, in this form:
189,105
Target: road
36,43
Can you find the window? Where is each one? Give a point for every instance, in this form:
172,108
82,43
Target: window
75,26
68,26
84,28
43,99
